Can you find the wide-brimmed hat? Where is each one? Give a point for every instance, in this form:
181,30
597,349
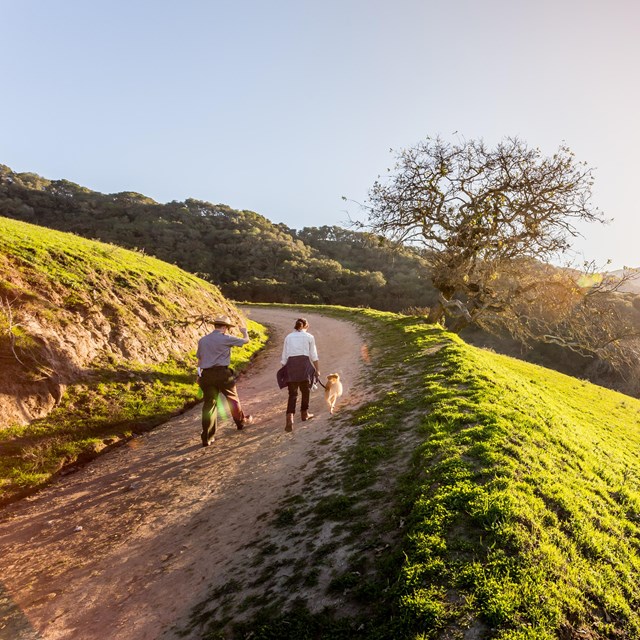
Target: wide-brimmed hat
225,320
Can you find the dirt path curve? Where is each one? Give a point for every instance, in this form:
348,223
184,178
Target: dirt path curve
125,547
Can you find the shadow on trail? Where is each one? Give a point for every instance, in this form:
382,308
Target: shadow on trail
14,625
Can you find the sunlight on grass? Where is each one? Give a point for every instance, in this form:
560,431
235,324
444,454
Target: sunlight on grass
522,499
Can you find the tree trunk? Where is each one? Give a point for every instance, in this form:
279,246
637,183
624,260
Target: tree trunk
458,324
436,313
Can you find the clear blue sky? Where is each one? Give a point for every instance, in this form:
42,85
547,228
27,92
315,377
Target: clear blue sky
284,106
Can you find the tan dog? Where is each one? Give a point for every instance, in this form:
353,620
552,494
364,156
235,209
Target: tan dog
333,390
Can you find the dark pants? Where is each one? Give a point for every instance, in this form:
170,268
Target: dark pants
293,395
213,382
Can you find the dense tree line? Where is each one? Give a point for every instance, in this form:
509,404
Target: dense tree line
248,256
406,272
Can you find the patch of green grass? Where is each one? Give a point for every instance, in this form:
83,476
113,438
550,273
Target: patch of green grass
298,624
233,586
285,517
266,549
335,507
520,506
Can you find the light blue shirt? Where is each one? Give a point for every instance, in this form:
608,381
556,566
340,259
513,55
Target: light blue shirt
214,349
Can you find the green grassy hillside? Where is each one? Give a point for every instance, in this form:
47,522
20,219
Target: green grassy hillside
96,342
513,510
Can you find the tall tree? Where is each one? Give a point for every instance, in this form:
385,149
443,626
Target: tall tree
478,211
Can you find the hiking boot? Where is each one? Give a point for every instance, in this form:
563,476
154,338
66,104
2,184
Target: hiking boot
246,422
289,425
306,415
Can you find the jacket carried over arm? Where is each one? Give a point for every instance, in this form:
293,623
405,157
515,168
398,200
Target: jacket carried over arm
298,357
297,369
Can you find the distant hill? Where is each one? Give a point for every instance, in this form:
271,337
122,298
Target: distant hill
248,256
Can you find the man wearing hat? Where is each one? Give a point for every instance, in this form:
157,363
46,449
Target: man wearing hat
215,377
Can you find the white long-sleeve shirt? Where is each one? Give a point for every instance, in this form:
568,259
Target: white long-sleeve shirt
299,343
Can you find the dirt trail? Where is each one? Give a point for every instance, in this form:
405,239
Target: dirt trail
126,546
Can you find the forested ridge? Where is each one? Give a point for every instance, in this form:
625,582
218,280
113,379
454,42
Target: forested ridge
246,255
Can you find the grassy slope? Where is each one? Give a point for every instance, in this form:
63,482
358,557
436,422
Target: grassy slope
519,505
78,270
65,281
530,502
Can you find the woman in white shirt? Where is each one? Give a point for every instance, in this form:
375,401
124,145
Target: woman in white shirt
300,359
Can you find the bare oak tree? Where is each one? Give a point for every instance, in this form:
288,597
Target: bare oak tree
477,211
490,220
